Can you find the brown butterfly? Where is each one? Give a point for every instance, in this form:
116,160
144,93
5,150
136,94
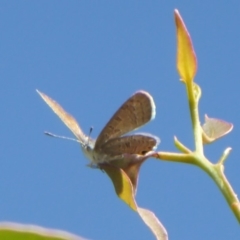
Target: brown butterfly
112,144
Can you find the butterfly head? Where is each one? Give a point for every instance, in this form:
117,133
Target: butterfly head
87,148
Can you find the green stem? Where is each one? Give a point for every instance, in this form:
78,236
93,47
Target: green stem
175,157
216,172
193,106
180,146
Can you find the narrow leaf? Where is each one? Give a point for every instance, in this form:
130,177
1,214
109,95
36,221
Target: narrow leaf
122,184
153,223
186,58
124,190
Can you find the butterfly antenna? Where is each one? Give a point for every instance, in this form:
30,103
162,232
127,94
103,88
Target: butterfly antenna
88,138
57,136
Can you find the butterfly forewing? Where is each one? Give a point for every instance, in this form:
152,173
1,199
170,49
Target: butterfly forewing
68,120
134,144
135,112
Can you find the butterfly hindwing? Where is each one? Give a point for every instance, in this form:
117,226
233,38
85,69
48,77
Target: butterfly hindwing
133,144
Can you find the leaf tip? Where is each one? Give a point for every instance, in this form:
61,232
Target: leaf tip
186,58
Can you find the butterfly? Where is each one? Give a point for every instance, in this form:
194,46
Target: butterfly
112,145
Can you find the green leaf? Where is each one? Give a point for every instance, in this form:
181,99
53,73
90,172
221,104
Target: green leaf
214,129
186,58
122,184
12,231
153,223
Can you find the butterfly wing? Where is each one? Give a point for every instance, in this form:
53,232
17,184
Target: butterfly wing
68,120
133,144
135,112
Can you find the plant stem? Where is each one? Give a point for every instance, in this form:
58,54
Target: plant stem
216,172
193,106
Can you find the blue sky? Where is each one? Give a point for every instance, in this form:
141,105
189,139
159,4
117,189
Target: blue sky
91,56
